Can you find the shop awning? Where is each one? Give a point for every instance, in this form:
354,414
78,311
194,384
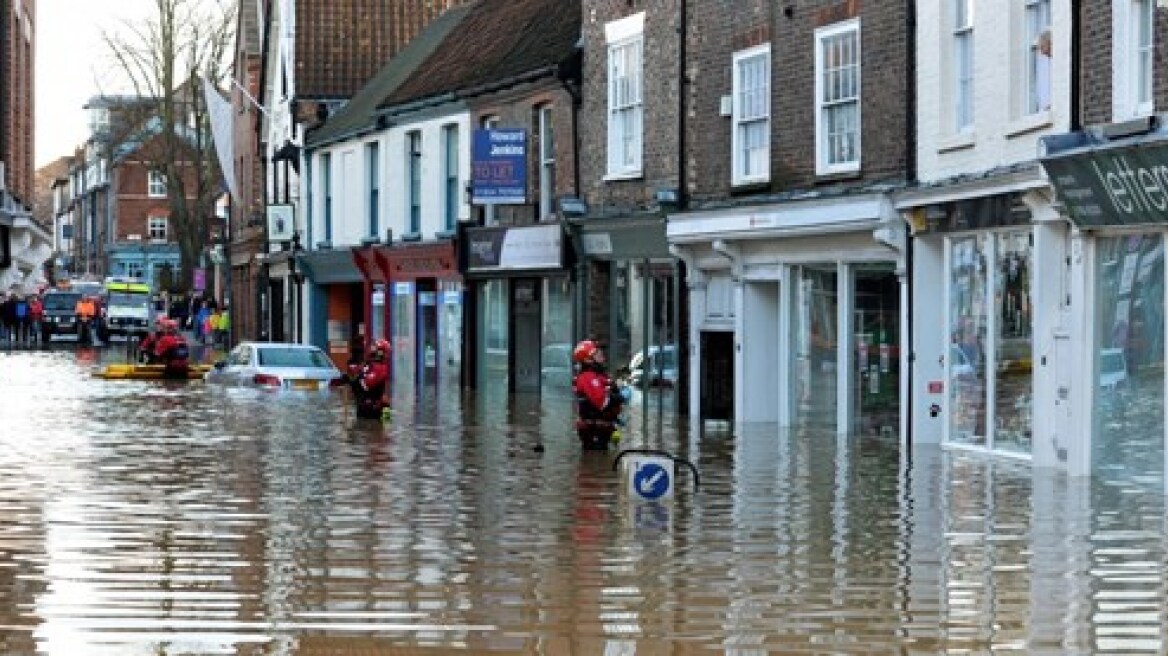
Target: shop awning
1110,181
331,267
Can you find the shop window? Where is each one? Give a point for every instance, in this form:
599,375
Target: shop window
1128,435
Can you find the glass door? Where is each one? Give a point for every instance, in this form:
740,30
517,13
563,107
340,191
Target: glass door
814,328
968,330
875,379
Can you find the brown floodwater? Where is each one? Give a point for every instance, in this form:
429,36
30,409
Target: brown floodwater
176,518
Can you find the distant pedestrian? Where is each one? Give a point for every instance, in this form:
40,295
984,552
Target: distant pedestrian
21,325
36,316
7,317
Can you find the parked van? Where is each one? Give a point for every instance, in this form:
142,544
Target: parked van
127,307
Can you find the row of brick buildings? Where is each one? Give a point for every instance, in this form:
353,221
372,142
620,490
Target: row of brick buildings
24,244
843,214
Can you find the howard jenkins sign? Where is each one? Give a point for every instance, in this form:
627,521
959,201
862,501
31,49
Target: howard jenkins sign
499,167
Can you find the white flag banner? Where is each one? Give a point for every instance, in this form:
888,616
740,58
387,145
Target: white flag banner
222,131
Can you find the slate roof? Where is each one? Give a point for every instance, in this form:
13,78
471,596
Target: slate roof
341,44
357,115
497,40
470,45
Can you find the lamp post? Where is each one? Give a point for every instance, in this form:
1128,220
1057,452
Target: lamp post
298,282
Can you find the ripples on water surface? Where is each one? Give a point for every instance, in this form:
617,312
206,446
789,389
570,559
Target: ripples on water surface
172,518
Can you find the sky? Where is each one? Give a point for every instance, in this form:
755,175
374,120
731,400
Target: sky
72,65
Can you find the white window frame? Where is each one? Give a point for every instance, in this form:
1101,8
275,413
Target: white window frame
155,184
625,39
1141,53
1126,73
451,200
156,226
1037,21
963,68
414,181
740,173
547,163
823,166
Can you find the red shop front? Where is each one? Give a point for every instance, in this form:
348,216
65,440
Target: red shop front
413,298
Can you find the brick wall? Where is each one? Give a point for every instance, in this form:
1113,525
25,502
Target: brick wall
659,92
134,204
1098,63
17,27
519,109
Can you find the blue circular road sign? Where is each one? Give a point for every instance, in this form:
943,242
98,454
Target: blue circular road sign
651,480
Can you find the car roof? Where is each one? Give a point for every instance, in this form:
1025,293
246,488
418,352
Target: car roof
296,345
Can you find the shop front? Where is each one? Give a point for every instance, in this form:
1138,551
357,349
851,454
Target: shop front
987,317
796,312
631,302
1115,191
519,321
413,296
335,311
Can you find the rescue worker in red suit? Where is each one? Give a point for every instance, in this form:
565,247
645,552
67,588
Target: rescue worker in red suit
369,383
598,399
171,350
146,346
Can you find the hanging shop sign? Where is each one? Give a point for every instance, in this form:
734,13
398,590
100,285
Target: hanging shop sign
280,223
499,167
514,248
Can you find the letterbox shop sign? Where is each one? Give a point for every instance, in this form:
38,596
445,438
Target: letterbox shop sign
499,167
514,248
1118,186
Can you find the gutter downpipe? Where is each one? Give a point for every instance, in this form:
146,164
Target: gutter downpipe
1076,66
910,158
683,365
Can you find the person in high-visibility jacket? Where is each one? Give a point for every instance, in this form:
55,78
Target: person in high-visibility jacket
86,311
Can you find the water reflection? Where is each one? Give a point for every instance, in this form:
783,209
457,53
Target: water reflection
155,518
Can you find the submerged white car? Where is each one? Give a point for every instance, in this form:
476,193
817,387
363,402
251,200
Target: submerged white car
276,365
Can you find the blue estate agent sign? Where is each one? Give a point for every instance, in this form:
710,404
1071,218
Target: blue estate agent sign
651,478
499,167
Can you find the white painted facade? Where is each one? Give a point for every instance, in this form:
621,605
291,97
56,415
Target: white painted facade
350,189
991,159
1002,132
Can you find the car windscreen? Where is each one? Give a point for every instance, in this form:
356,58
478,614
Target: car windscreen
128,300
60,301
276,356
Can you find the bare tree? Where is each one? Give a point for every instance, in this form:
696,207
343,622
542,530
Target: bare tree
166,58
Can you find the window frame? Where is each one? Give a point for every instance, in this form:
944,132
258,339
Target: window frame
1030,75
547,161
326,184
739,175
625,123
156,184
414,180
151,226
823,166
451,179
963,80
373,186
1137,9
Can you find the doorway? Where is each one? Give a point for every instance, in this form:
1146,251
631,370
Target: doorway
427,356
875,379
526,329
717,371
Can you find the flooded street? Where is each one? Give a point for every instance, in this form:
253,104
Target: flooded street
178,518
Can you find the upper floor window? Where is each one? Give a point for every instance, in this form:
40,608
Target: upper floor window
1143,25
157,228
414,166
1038,49
156,184
99,120
837,98
373,184
751,138
547,163
625,40
962,65
326,192
452,196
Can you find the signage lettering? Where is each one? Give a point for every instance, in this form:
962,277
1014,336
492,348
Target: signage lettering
1118,186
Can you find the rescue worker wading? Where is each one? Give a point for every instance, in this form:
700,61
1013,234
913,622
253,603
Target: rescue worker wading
171,351
598,399
369,383
149,342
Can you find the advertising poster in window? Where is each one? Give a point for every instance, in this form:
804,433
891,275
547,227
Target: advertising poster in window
499,167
